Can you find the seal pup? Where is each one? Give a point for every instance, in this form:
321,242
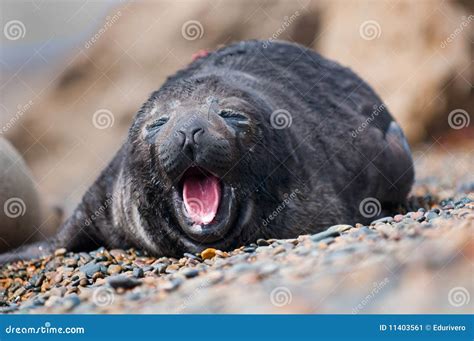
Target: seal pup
254,140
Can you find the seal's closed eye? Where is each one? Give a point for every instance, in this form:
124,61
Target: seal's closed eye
153,128
234,117
158,123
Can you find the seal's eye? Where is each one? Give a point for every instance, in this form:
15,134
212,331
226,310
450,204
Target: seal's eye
153,128
158,123
234,117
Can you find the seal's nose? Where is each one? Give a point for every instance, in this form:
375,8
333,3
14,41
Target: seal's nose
191,137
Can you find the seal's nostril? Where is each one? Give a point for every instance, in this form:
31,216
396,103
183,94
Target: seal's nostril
196,133
182,137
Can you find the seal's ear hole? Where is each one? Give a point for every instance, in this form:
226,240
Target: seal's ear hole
234,117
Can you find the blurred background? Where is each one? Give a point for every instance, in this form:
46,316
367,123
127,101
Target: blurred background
73,73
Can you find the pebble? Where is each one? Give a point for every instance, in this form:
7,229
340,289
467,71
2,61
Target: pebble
262,242
383,220
138,272
190,272
159,268
90,269
60,252
114,269
191,256
171,284
398,218
208,253
122,281
322,235
339,228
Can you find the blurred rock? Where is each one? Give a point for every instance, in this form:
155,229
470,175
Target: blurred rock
19,205
410,52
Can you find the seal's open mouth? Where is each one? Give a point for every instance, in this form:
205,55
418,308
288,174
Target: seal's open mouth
201,195
205,206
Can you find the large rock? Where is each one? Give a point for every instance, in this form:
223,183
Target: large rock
20,216
415,54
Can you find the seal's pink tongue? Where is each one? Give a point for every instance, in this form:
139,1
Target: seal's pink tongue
201,195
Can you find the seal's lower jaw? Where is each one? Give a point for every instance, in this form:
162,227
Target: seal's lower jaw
204,206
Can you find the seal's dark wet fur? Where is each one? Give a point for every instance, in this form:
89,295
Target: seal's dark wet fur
298,140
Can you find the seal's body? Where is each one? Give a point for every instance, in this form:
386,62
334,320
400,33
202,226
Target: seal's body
251,141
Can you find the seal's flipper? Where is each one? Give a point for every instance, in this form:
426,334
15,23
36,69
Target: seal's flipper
30,251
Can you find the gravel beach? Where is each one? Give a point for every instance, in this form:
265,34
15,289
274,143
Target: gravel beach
421,261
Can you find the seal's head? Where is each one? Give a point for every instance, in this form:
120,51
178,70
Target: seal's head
197,155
